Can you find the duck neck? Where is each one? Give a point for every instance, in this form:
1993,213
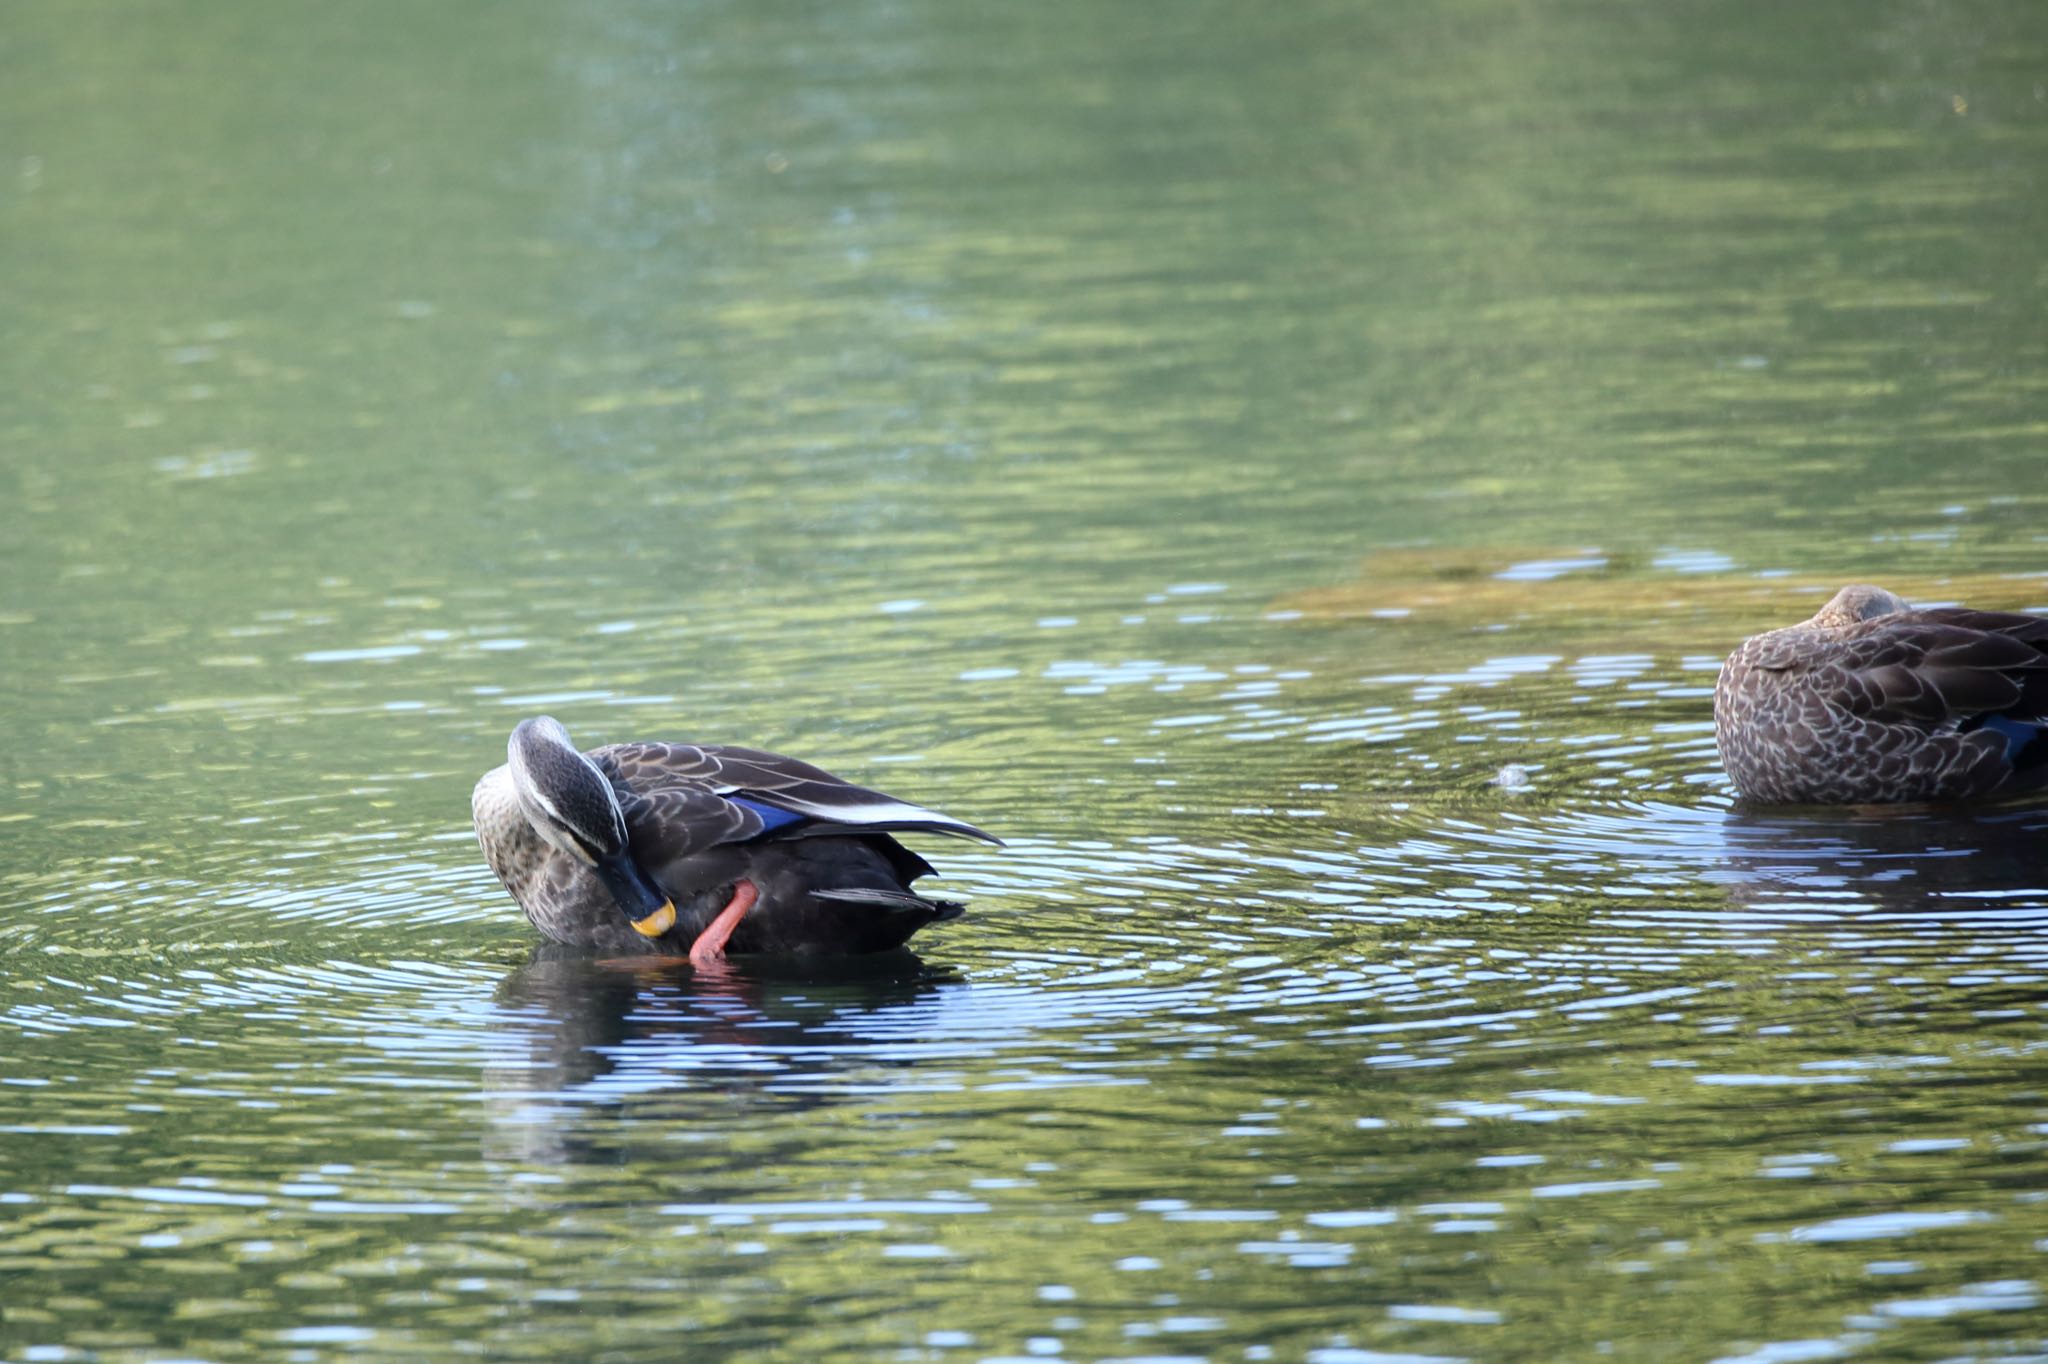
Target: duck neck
516,853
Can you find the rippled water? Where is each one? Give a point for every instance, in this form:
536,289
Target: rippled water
1293,474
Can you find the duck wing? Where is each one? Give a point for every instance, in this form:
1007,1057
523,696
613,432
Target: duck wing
1941,669
818,851
766,791
669,823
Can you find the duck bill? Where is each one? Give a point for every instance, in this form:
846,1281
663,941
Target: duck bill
644,904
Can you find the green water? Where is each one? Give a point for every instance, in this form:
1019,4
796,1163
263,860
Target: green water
962,396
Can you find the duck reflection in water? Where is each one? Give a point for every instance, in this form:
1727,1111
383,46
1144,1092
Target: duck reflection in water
599,1060
1932,866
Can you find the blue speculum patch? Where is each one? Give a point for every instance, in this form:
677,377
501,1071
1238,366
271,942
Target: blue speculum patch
773,817
2019,734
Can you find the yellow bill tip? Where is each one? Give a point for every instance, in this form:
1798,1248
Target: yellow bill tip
657,923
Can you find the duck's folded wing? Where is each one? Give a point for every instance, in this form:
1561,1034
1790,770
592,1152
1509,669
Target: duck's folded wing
750,774
677,821
1934,670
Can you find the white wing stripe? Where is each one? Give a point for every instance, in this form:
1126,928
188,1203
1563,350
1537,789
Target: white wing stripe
874,812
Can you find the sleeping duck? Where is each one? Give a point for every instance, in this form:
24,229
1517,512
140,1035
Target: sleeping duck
701,849
1871,702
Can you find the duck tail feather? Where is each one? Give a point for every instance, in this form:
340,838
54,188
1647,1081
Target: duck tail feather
892,902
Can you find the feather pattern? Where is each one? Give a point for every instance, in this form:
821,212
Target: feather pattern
770,779
700,817
1871,701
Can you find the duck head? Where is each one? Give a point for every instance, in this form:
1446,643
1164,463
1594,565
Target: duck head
570,804
1857,602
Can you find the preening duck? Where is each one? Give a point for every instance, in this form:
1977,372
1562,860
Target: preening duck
701,849
1871,702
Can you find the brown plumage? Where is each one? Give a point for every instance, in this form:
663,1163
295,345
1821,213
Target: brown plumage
1872,702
